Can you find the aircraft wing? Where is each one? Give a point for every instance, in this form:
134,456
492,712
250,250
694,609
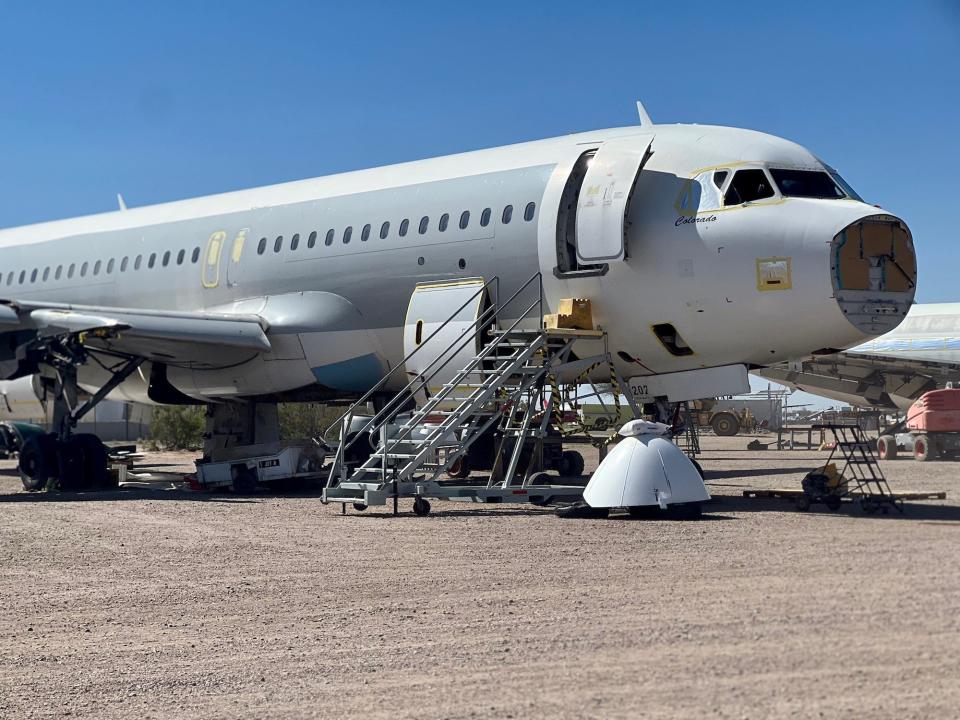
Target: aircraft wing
865,379
201,338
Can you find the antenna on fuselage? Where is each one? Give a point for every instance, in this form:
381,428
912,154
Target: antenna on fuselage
644,115
120,202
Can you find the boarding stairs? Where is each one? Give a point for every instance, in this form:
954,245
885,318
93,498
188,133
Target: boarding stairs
506,383
865,479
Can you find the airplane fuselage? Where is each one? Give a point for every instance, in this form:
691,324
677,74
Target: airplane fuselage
750,282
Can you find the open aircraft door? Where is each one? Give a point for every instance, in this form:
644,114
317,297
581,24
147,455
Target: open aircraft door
605,198
452,343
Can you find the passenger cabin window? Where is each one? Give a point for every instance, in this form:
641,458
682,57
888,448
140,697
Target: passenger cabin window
464,219
312,240
33,276
23,276
365,233
136,263
507,214
278,244
384,230
150,263
261,247
166,258
485,217
180,257
124,263
328,240
83,269
110,266
73,267
46,274
444,221
424,223
404,226
748,186
96,268
806,184
529,211
59,272
195,256
347,234
295,241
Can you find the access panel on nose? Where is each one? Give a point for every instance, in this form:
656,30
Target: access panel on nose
605,197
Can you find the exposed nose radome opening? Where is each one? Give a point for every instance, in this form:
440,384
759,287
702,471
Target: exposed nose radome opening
874,271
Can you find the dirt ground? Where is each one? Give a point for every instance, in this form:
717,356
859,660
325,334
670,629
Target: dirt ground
162,603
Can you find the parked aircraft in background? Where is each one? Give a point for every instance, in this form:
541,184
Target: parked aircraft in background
889,372
706,251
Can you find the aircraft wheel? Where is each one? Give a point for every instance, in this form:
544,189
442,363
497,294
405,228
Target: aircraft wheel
71,466
421,507
574,462
460,468
922,448
94,459
886,447
725,424
38,462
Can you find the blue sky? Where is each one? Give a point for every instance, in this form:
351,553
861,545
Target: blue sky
168,100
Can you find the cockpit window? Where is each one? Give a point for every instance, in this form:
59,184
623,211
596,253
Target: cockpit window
719,177
748,186
851,193
806,184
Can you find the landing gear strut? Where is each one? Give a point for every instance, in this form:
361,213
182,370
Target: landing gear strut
73,461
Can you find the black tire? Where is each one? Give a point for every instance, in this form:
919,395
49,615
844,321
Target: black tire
886,447
359,506
725,424
803,503
833,502
923,449
601,424
421,507
460,468
244,481
575,463
95,471
72,466
38,462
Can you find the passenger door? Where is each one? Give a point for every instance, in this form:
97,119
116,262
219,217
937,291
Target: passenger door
605,198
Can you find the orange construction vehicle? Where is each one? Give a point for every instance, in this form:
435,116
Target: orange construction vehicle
930,431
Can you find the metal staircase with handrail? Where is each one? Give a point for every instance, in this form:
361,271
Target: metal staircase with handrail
504,384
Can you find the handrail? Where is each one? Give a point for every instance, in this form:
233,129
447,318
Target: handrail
382,417
380,383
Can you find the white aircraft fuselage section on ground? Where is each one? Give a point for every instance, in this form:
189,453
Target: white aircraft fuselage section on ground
693,254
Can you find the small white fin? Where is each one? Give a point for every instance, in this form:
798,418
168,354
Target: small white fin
120,202
644,116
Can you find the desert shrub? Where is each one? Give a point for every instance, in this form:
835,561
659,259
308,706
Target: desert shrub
177,427
300,421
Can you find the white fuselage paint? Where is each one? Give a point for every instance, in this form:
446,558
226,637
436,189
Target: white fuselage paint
695,270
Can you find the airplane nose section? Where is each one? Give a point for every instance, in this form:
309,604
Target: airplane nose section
874,272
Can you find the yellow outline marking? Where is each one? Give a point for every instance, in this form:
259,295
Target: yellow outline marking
211,259
766,285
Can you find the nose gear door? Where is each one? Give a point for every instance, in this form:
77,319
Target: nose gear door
605,198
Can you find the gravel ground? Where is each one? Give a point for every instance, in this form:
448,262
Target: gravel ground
158,604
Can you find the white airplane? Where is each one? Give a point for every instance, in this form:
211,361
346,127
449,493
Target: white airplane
706,251
889,372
